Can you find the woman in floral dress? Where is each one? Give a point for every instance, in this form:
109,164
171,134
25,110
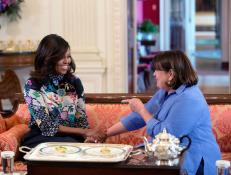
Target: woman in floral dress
55,97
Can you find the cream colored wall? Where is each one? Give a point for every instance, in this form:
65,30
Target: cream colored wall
95,29
34,24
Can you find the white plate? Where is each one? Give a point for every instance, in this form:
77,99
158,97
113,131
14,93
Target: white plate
104,151
59,150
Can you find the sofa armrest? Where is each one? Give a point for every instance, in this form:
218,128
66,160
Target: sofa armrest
21,116
2,124
221,125
10,139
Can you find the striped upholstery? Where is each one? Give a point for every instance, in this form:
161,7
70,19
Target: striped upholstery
105,115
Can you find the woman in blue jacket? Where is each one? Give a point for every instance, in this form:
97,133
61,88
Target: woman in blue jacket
180,107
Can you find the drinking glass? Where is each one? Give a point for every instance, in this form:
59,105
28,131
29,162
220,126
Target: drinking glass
222,167
7,162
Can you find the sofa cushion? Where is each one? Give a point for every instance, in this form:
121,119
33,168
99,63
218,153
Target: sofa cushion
221,121
105,115
22,116
2,124
10,139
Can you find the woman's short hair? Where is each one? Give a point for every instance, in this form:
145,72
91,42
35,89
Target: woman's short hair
51,49
180,64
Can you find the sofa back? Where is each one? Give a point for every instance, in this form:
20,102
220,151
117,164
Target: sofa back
221,122
103,110
99,116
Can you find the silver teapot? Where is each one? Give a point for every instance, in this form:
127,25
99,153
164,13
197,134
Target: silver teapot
166,148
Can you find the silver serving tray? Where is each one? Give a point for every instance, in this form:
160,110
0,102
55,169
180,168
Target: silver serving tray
78,152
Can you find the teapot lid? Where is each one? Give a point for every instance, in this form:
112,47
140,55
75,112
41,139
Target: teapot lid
166,137
163,136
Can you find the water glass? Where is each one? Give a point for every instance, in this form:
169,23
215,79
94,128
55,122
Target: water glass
7,162
222,167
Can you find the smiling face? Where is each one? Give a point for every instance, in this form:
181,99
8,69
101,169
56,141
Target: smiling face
63,65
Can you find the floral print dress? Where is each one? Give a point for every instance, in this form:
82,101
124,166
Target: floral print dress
58,101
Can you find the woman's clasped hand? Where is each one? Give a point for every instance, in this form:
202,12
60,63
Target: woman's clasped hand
95,136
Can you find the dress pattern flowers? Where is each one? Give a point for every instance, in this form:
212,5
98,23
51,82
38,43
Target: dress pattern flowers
59,101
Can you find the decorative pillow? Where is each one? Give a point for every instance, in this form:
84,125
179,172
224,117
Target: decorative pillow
10,140
221,121
22,116
105,115
2,124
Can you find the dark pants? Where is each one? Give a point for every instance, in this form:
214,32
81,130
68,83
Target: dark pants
200,170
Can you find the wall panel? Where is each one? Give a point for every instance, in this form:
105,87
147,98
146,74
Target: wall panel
95,30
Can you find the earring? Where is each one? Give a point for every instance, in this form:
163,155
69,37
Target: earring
168,82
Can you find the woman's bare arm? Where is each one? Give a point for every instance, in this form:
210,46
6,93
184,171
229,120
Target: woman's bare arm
117,128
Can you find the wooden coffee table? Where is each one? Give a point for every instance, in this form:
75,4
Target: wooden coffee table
135,165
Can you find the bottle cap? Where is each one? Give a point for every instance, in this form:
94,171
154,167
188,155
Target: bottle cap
223,163
7,154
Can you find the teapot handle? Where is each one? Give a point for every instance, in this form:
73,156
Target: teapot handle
189,143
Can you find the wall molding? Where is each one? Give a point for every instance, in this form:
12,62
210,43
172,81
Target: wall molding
117,43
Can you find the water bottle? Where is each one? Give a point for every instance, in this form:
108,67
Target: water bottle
222,167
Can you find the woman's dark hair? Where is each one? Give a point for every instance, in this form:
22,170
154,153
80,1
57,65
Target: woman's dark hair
51,49
179,63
